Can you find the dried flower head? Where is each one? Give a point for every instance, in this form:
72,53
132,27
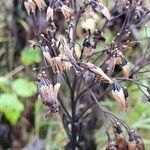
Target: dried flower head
48,93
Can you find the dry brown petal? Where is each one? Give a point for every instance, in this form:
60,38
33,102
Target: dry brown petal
47,57
67,12
56,88
125,70
98,71
40,4
50,14
32,6
27,7
59,64
119,97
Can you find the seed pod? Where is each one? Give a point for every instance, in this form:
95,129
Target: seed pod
118,94
50,14
67,12
125,68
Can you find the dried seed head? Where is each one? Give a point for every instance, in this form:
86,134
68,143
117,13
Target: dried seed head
67,12
118,94
48,93
40,4
50,14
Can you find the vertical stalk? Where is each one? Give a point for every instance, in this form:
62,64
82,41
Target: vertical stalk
73,108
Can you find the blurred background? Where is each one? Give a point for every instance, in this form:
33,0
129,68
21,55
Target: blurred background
23,124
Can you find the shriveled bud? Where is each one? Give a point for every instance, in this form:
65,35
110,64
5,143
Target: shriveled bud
50,14
125,68
40,4
48,93
67,12
98,71
118,94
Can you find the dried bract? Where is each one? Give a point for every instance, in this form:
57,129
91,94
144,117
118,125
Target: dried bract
40,4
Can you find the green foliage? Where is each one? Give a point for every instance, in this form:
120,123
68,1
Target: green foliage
30,56
4,84
23,87
11,107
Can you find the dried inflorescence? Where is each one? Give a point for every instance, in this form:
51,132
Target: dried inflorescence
48,93
79,68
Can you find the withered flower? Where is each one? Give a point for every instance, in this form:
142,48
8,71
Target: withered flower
67,12
48,93
98,71
50,14
118,94
29,6
40,4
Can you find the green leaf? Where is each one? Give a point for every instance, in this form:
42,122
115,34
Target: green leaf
30,56
11,107
4,84
23,87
